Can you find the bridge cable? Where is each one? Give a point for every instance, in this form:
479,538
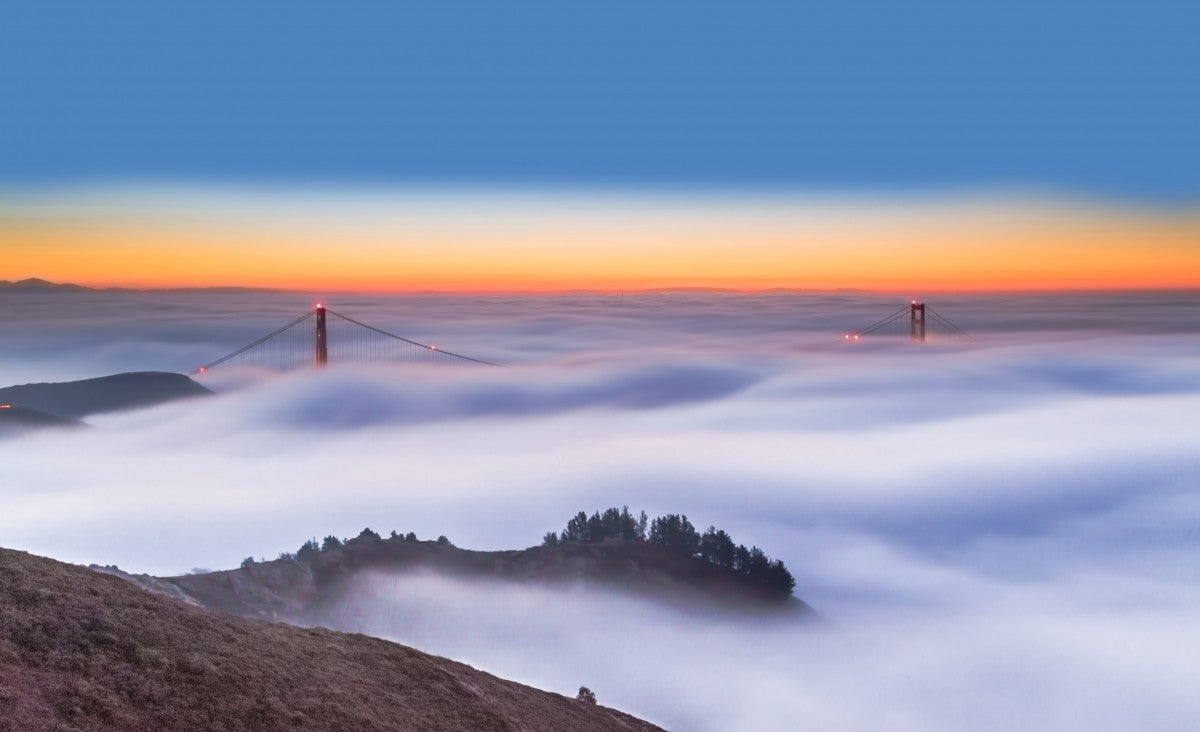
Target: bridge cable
957,331
258,342
880,323
409,341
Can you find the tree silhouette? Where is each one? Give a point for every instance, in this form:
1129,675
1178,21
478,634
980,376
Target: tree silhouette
676,533
716,547
577,530
308,550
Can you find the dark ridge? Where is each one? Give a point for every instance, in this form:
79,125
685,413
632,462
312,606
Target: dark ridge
84,650
74,399
300,589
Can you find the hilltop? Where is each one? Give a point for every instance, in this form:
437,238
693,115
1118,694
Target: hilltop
300,591
74,399
84,650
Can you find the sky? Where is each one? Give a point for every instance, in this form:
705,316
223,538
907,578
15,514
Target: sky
629,126
999,533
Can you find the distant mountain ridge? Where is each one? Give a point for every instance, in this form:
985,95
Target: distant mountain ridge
38,285
74,399
35,284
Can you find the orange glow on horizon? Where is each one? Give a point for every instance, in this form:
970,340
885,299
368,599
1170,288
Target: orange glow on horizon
955,254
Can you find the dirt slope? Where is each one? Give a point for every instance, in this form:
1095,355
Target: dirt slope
84,650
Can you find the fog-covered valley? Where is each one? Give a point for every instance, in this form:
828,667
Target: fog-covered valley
997,532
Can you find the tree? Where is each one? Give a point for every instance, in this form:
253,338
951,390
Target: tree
758,564
642,524
368,534
716,547
394,535
741,559
308,550
586,695
577,530
676,533
286,555
247,562
780,579
550,539
410,536
444,541
330,543
595,529
628,525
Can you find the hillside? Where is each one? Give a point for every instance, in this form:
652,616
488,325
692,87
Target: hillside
299,591
20,419
74,399
84,650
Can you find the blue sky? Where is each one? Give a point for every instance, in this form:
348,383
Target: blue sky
1091,100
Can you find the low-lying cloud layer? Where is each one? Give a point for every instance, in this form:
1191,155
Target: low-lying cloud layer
998,532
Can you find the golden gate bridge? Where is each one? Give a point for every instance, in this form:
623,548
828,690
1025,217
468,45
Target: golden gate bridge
916,312
323,335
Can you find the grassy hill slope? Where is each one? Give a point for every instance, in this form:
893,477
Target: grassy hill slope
84,650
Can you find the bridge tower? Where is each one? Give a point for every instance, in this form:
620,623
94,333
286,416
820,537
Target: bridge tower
321,354
916,321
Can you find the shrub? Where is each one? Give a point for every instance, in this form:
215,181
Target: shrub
586,695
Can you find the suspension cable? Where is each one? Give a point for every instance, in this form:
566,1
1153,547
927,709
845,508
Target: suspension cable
432,349
957,331
258,342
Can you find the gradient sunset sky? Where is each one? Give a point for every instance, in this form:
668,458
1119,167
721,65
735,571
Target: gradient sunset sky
466,146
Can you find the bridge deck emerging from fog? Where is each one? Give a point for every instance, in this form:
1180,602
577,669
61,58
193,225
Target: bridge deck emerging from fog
322,335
